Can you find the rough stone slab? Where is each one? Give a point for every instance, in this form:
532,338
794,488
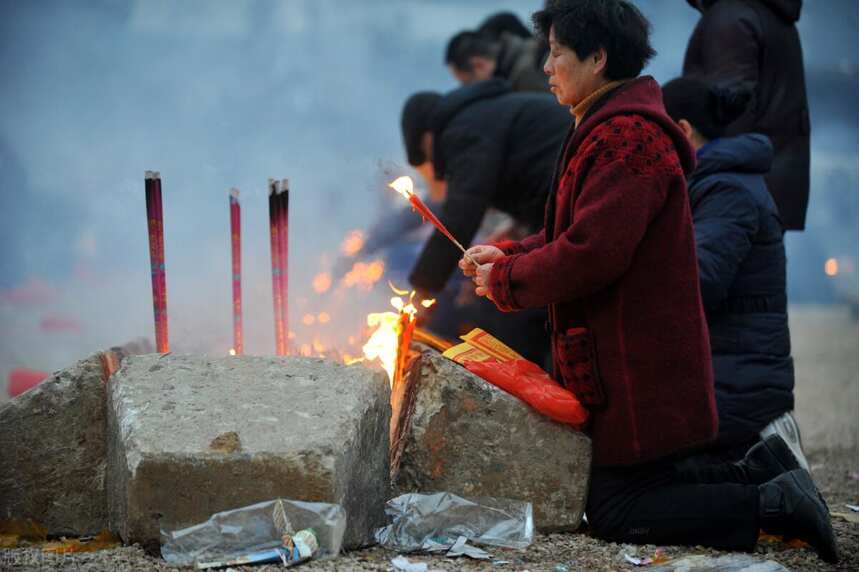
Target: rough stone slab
52,452
455,432
189,436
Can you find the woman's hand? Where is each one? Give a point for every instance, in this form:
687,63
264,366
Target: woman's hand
477,262
475,256
481,280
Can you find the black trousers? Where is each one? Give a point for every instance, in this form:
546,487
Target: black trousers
690,500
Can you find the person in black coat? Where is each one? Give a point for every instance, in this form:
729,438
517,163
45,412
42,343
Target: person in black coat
492,148
741,261
756,43
482,146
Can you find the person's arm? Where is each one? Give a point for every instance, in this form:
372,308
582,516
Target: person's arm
726,220
617,204
472,178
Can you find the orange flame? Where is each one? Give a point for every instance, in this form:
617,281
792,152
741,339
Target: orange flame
308,319
323,317
232,351
352,244
322,282
385,342
831,267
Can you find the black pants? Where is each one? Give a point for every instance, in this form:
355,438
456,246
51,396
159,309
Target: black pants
664,502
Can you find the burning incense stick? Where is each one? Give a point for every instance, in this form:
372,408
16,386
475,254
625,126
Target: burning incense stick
277,293
155,218
236,243
405,187
283,237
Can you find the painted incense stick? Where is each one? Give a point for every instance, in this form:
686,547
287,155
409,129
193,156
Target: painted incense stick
236,247
277,292
155,218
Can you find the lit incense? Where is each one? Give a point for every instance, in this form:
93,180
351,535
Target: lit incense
236,243
277,293
405,187
283,237
155,219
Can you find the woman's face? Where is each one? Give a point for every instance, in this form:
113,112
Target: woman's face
572,79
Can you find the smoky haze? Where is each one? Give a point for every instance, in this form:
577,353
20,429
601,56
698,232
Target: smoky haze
217,94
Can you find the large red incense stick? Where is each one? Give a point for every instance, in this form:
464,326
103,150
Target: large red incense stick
277,292
236,243
283,237
405,187
155,218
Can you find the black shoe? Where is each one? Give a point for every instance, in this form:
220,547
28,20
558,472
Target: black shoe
791,506
766,460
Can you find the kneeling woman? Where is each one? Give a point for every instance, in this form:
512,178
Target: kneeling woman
616,266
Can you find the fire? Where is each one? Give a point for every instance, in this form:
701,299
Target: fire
322,282
232,351
404,186
352,244
390,341
308,319
364,275
384,342
323,317
831,267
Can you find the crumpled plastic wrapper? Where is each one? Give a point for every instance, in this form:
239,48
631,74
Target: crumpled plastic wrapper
441,518
255,528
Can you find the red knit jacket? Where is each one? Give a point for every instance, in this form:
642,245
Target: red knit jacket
616,266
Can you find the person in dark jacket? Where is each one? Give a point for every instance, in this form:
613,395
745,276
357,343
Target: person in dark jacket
741,262
477,56
616,265
482,146
756,43
492,148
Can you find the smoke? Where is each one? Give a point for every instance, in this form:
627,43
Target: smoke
216,94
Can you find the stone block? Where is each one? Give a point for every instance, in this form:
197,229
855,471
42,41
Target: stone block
455,432
52,451
189,436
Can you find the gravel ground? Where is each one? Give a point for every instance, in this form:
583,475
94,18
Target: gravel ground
827,362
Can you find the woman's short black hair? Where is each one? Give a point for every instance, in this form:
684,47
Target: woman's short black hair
709,108
585,26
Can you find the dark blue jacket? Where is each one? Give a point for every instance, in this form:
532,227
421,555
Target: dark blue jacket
741,261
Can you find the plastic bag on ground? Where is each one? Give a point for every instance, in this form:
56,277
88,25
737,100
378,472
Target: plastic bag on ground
727,563
261,527
443,517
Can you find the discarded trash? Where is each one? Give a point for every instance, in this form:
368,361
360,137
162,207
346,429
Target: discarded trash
658,557
443,517
12,532
765,538
103,541
562,568
461,548
727,563
279,530
853,507
850,516
402,563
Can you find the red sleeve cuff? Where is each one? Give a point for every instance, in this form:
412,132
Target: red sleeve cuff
499,284
509,247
